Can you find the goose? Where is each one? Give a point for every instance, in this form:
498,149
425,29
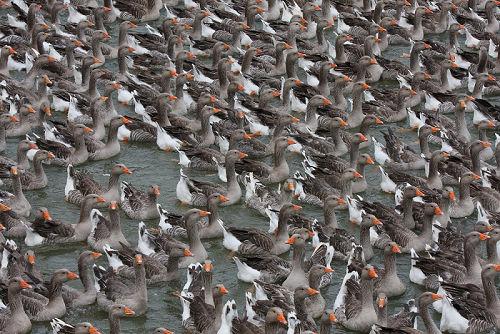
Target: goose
483,316
112,292
115,312
464,206
68,155
199,252
195,193
56,232
59,326
423,302
275,244
53,307
389,283
138,204
81,183
362,316
14,317
73,297
106,231
16,201
36,179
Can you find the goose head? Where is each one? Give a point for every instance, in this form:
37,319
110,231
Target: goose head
351,174
381,300
43,214
365,159
275,315
64,275
119,311
120,169
85,328
370,220
161,330
428,298
337,122
18,284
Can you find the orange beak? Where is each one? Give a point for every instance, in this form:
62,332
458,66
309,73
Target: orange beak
4,208
14,119
326,102
290,240
93,330
281,318
418,192
291,186
204,213
485,144
290,141
370,161
376,221
343,123
113,205
125,120
46,215
438,211
87,130
126,170
223,198
381,303
101,199
434,129
31,110
296,207
187,252
365,86
223,290
31,259
138,258
328,270
72,276
357,175
243,155
24,285
372,273
363,137
295,120
483,236
208,266
332,317
452,196
96,255
395,249
128,311
491,78
435,296
491,124
373,61
12,50
312,292
341,201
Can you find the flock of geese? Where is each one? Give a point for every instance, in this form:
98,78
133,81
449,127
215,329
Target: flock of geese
238,89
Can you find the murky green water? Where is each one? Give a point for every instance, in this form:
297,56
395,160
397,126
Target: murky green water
151,165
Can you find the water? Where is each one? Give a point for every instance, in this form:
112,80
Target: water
152,166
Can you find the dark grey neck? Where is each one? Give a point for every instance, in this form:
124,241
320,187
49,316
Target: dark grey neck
426,318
